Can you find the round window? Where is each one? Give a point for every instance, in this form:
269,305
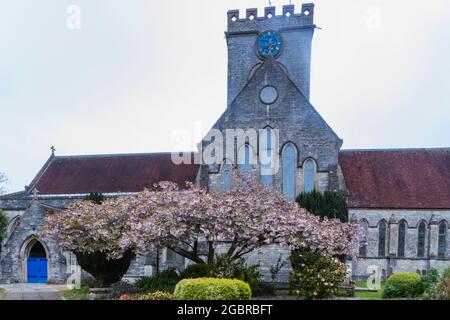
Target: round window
268,95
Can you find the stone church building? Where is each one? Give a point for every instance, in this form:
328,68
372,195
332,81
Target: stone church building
401,197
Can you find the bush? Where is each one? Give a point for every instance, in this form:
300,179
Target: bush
212,289
163,281
124,287
446,274
228,268
403,285
3,225
200,270
315,276
443,289
330,204
429,283
158,295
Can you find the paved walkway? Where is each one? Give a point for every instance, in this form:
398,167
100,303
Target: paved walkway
29,291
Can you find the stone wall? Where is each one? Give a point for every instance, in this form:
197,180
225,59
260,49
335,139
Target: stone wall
391,263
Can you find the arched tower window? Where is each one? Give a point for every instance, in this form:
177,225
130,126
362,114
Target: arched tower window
421,240
442,244
382,228
266,157
289,171
309,176
401,239
363,229
245,159
226,176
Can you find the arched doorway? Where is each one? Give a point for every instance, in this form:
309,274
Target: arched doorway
37,270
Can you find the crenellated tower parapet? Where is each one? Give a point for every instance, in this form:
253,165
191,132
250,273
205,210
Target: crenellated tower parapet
255,22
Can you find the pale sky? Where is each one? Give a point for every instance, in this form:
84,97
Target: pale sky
140,72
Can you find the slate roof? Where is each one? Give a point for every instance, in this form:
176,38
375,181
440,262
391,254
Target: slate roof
110,173
397,179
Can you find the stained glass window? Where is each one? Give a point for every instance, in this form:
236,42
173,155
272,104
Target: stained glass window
421,240
363,228
382,228
226,176
442,246
245,164
309,176
401,239
289,171
266,158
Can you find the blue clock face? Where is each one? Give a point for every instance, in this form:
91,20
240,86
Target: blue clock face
269,44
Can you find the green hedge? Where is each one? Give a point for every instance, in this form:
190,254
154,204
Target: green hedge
403,285
212,289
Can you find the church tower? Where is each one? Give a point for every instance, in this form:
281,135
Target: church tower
296,30
269,69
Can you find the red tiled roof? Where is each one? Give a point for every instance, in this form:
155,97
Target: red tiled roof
111,173
407,179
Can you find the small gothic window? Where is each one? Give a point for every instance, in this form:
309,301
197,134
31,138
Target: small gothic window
266,158
401,239
421,240
308,171
363,227
382,239
226,176
289,171
245,164
442,246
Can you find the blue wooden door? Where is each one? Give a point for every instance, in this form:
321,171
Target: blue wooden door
37,270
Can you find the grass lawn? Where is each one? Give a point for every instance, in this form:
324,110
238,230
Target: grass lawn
2,291
76,294
368,295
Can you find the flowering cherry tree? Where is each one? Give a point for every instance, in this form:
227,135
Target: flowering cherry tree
245,218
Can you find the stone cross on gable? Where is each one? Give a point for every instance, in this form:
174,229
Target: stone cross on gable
53,150
35,194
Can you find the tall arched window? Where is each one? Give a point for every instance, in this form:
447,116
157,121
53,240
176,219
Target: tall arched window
382,228
442,245
245,159
266,157
309,174
421,240
289,159
401,239
363,228
226,176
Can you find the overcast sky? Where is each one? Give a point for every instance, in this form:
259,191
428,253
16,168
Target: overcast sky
140,72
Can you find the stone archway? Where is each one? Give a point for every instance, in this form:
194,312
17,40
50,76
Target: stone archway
34,257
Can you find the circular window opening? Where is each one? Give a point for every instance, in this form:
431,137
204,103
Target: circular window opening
268,95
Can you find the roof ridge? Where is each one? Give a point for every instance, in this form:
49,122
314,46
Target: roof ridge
121,154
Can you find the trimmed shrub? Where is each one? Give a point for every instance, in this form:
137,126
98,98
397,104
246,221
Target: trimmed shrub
315,276
403,285
212,289
229,268
163,281
199,270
